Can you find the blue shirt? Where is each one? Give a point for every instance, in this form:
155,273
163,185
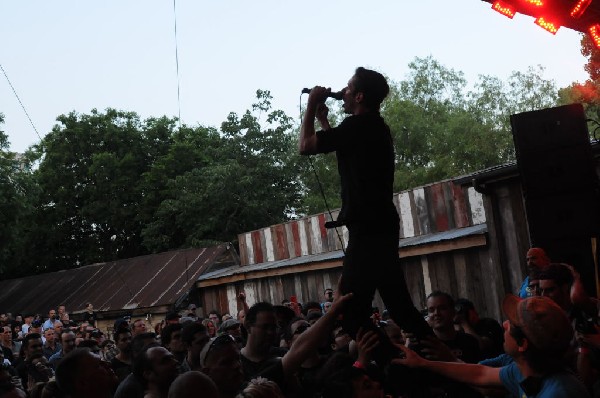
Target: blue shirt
523,293
497,362
558,385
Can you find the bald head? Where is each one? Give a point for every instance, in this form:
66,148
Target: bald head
537,258
188,384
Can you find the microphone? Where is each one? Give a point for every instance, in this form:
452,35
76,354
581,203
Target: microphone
338,96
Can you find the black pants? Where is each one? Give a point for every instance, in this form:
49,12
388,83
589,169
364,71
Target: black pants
372,262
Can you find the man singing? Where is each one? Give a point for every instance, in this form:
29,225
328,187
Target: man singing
365,156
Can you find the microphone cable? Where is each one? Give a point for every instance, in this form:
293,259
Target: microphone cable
314,169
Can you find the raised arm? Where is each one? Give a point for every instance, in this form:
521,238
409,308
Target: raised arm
315,108
478,375
312,337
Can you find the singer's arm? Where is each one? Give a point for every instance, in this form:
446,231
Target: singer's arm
307,143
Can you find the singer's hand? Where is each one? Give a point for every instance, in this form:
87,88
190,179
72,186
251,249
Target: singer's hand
321,114
318,95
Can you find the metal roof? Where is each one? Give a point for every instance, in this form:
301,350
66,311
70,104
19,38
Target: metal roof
338,254
140,282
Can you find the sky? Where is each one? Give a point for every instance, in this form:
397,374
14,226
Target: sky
63,56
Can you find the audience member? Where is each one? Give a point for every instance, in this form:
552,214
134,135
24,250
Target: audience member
51,346
156,367
536,260
33,367
171,340
49,323
131,386
67,339
215,317
487,331
452,345
189,384
83,374
89,315
138,327
220,360
537,336
210,327
121,363
194,337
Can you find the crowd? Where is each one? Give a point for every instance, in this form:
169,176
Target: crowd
549,346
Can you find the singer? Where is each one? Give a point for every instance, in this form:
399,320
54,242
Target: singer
365,155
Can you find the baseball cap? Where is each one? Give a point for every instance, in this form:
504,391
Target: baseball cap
542,321
120,324
212,343
229,324
172,315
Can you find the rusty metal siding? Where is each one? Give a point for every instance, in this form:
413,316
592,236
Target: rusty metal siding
141,282
433,208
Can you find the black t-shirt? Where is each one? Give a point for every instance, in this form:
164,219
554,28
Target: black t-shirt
490,328
121,369
365,155
130,387
271,369
465,347
90,318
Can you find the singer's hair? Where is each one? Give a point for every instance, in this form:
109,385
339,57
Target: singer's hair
373,86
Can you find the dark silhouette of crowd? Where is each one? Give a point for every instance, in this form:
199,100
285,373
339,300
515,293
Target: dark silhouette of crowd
547,346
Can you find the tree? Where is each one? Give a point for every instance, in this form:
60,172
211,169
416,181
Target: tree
17,189
247,179
441,129
588,92
88,176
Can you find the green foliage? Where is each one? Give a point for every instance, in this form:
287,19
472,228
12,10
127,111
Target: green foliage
17,188
248,181
588,92
441,129
107,185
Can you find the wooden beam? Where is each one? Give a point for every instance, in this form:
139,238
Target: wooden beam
270,273
436,247
444,246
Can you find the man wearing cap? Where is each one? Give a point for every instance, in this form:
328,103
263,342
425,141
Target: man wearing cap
172,317
220,360
232,328
537,334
